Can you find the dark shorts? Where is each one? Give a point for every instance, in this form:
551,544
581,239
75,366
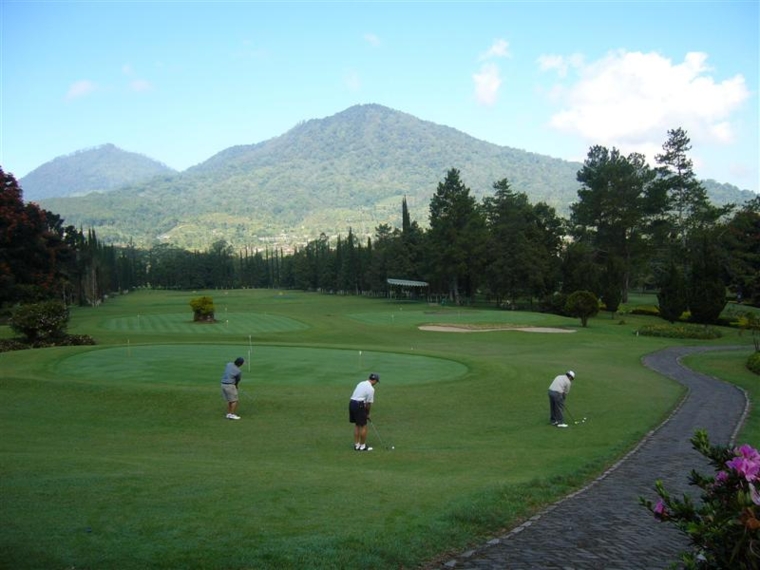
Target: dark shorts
357,413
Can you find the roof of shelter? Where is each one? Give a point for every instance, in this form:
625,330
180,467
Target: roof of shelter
407,283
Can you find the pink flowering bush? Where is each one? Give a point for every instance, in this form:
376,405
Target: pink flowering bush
723,527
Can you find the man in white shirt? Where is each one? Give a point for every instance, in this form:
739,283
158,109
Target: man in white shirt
558,391
358,410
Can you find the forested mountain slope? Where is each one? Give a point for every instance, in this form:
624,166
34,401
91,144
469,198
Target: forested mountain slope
97,169
350,170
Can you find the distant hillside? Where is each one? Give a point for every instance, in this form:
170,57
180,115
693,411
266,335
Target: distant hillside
97,169
350,170
726,193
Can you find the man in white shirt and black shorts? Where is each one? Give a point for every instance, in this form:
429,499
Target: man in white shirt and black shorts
358,410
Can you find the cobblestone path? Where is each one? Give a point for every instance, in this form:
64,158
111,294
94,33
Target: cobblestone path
603,526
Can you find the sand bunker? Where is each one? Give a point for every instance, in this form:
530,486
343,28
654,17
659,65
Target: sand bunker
491,328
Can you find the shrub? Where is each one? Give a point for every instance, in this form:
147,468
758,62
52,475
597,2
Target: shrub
753,362
646,310
76,340
680,331
8,345
749,320
723,529
554,304
582,304
203,309
707,301
40,322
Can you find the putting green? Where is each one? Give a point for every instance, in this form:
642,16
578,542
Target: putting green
227,323
203,364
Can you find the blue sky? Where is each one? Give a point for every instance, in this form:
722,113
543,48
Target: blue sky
181,81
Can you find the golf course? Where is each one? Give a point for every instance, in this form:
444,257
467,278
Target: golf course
118,455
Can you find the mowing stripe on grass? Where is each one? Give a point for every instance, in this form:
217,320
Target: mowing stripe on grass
233,323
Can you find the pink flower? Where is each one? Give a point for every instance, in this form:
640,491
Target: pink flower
749,468
748,452
660,511
747,462
721,477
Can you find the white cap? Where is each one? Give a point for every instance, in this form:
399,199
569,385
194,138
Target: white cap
571,374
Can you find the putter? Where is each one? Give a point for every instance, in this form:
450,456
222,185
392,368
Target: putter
377,433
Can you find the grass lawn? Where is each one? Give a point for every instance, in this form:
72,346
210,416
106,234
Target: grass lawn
119,456
729,366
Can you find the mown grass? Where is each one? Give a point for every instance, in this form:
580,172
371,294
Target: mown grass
730,366
118,455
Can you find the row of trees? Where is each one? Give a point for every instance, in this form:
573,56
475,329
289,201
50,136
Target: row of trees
632,226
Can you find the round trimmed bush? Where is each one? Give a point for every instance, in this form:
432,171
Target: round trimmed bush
753,363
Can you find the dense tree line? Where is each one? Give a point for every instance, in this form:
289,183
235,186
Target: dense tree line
633,226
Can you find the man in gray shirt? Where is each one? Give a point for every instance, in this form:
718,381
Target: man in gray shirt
558,391
230,381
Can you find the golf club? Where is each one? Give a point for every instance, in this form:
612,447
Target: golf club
246,394
377,433
572,418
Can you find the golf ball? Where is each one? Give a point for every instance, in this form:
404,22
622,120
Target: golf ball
393,447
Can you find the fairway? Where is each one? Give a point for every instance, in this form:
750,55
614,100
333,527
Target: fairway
119,456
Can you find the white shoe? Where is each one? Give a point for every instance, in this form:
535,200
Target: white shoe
561,425
232,417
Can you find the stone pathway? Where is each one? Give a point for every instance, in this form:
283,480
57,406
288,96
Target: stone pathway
603,526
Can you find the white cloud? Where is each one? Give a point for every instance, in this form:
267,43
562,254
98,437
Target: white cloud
487,83
81,88
560,63
631,99
140,85
372,40
136,84
499,48
352,81
488,78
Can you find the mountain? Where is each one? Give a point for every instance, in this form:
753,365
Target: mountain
350,170
97,169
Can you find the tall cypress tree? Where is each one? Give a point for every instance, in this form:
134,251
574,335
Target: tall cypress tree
707,291
456,238
672,293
